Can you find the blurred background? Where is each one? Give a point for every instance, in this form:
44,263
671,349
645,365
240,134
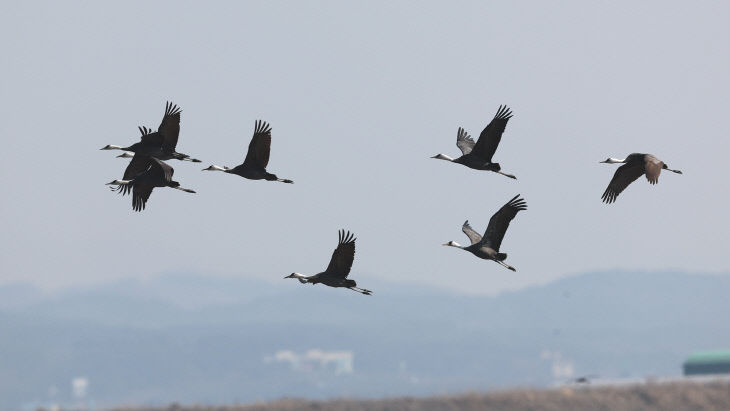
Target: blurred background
185,301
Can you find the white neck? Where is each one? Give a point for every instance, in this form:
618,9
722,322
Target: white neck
219,168
443,157
112,147
612,160
454,244
301,277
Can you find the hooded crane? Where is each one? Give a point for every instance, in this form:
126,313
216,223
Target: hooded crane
634,166
257,158
479,155
161,143
487,247
336,273
141,176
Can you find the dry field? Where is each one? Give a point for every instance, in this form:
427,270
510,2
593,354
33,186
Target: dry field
673,396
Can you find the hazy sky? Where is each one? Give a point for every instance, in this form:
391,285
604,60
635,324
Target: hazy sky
360,95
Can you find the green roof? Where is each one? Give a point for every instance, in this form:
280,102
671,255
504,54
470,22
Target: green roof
705,357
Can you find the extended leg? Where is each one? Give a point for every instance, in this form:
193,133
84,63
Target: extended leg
506,265
505,174
187,190
361,290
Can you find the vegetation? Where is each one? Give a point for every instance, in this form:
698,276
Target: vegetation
646,397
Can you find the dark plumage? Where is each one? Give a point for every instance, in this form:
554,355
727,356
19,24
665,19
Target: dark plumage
636,165
142,175
479,155
487,246
339,267
257,158
160,144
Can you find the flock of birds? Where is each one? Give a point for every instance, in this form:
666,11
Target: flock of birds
148,170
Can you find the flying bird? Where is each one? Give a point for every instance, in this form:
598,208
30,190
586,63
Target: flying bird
487,247
336,273
479,155
635,165
141,176
257,158
159,144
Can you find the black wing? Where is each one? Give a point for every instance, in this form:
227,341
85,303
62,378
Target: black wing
499,222
343,255
150,138
473,235
624,175
140,194
259,147
170,127
492,134
137,165
162,169
464,141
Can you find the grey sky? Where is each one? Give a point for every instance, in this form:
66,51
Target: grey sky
359,96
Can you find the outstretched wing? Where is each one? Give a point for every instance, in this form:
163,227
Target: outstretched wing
260,146
624,175
343,255
499,222
464,141
473,235
492,134
140,194
137,165
170,127
162,168
653,166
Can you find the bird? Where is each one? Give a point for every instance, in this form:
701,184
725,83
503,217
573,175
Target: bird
479,155
161,143
487,247
584,379
336,273
257,158
635,165
142,175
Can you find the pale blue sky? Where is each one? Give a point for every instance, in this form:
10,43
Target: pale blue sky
359,96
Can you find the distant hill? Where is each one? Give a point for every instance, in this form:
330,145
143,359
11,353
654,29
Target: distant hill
195,339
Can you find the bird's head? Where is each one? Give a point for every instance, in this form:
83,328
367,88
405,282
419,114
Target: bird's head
611,160
110,147
302,278
214,167
452,244
126,154
442,157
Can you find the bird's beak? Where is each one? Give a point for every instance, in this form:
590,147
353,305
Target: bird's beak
445,244
604,161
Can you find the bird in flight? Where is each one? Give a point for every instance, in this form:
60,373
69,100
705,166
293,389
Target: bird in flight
257,158
635,165
159,144
336,273
142,175
487,246
479,155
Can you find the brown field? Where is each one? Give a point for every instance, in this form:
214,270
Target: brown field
673,396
